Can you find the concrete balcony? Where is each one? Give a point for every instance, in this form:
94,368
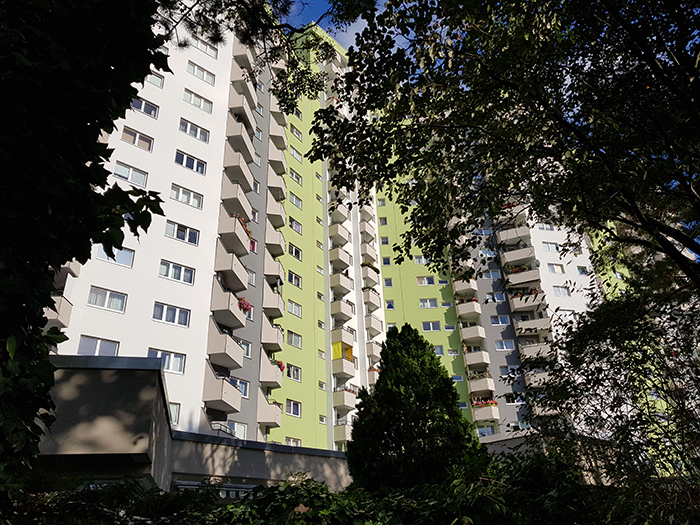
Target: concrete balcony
275,213
372,300
273,270
277,161
344,400
370,276
233,234
224,307
468,310
270,374
465,288
372,376
373,350
536,379
527,303
533,326
278,135
518,257
272,338
243,55
528,277
486,413
516,214
540,350
276,185
339,234
342,310
239,138
269,413
274,240
484,386
277,112
473,334
61,317
230,268
343,368
273,303
237,169
513,235
340,259
340,214
342,432
476,358
367,212
367,232
243,84
343,335
369,254
234,199
238,105
219,394
222,349
341,284
543,412
374,325
69,268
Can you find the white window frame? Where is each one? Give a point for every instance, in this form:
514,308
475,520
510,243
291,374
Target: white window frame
295,177
431,326
98,342
201,73
295,131
555,268
251,277
138,138
388,282
193,130
427,303
140,105
296,201
188,232
205,47
255,215
130,174
171,362
507,345
383,221
185,196
293,408
495,297
294,308
294,278
296,154
240,430
421,259
174,411
187,159
500,320
294,339
389,304
550,246
108,296
155,79
386,261
292,442
241,385
172,269
294,372
295,251
198,101
561,291
177,310
491,274
102,255
297,113
439,350
295,225
384,241
426,280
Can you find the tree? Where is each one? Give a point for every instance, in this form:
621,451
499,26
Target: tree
410,429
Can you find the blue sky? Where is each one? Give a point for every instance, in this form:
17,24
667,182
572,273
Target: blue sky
303,14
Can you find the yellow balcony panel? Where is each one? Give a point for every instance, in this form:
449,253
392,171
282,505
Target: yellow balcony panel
469,309
275,213
513,235
480,357
234,199
274,240
473,334
518,257
239,138
343,368
272,338
224,307
61,317
466,288
339,234
342,310
273,303
269,412
219,394
236,168
230,268
222,349
238,105
233,234
371,299
270,374
374,325
486,413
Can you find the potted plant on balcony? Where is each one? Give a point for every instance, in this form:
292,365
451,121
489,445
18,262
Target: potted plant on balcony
244,305
279,364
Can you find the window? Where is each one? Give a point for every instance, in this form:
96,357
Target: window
249,313
618,275
125,256
389,304
245,345
293,408
294,251
294,279
200,72
197,101
171,314
499,320
107,299
515,398
137,139
133,175
449,328
495,297
321,385
388,282
294,308
318,176
180,232
483,232
384,241
555,268
255,215
443,282
381,202
431,326
293,339
294,153
295,200
174,409
258,133
319,296
295,176
297,113
439,350
258,86
139,104
550,246
209,50
259,109
292,442
295,225
296,132
487,252
545,226
389,326
386,261
190,197
321,354
189,162
254,246
193,130
463,405
582,270
506,371
319,220
452,352
420,259
240,430
319,198
457,378
446,304
321,324
241,385
485,431
257,159
425,281
319,244
251,278
155,79
492,274
561,291
428,303
170,362
322,419
293,372
256,186
382,221
505,344
319,270
96,346
176,272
